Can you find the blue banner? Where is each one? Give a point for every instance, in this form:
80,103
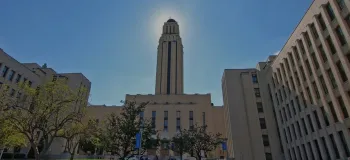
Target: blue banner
224,147
138,141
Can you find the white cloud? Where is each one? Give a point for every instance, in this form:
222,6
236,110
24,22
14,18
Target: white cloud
276,53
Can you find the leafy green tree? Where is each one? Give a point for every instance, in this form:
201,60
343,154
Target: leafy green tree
182,142
119,131
201,140
76,133
40,113
195,140
9,138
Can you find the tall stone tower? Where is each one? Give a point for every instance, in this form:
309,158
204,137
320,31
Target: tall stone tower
169,76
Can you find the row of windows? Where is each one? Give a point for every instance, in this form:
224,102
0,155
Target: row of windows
10,74
315,152
178,119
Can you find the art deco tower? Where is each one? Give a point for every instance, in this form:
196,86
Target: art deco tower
169,76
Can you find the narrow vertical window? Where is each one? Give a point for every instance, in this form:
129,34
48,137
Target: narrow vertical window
191,120
323,53
334,145
343,107
255,78
330,12
317,120
321,22
341,71
178,121
166,121
331,45
203,118
340,36
325,118
331,77
325,146
344,144
154,113
310,123
323,84
334,114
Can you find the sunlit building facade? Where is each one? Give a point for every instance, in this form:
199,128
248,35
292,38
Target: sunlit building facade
306,87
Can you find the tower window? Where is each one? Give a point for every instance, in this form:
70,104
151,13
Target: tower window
255,78
330,12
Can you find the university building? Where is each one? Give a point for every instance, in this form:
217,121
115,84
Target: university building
170,109
295,105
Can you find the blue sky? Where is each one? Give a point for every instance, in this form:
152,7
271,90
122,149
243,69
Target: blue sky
114,42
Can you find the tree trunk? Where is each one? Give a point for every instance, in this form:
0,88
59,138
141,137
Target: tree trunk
13,153
36,152
199,157
72,156
2,151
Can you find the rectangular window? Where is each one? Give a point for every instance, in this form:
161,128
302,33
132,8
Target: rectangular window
347,19
310,149
301,45
11,75
341,4
203,118
260,107
309,94
291,58
285,136
341,72
266,140
298,103
304,125
344,144
330,12
321,22
262,123
299,129
343,107
310,123
308,67
281,116
191,120
18,78
314,59
340,36
334,145
178,121
314,31
331,77
318,149
303,97
299,153
295,155
296,52
4,71
317,120
334,114
294,131
304,149
285,113
308,41
325,146
257,92
293,85
324,86
141,118
325,118
255,78
331,45
302,73
166,121
290,110
316,90
323,53
293,107
297,77
290,134
154,119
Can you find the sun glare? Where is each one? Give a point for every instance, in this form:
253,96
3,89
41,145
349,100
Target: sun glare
160,16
